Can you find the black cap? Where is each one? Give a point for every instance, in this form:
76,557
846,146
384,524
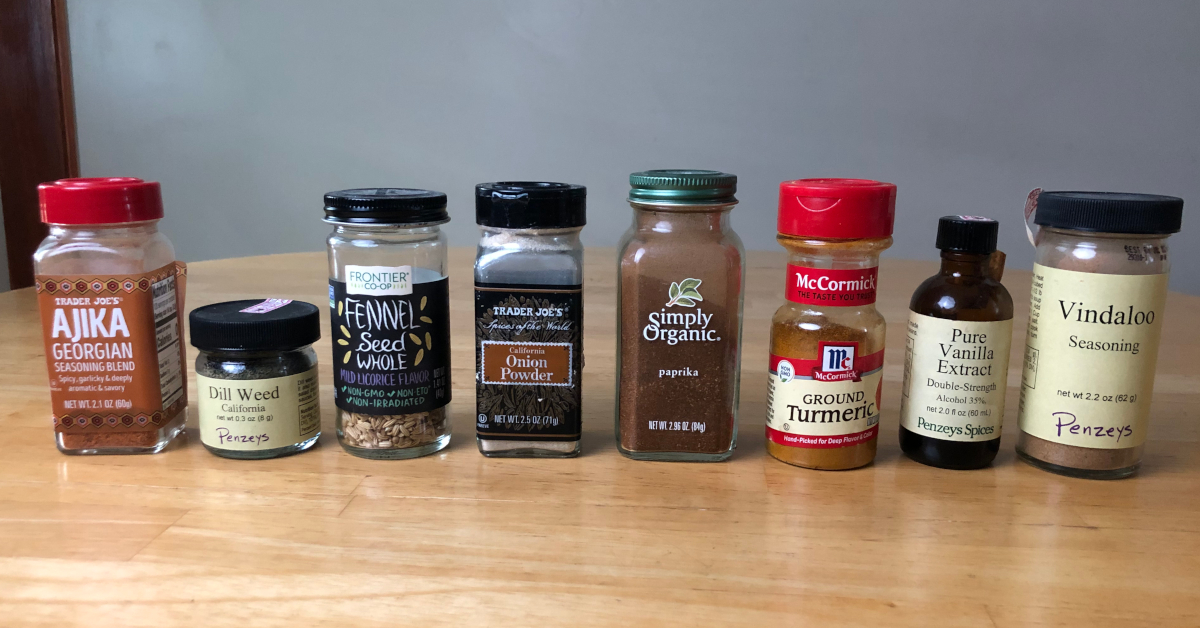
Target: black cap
1110,212
386,206
268,325
530,205
967,234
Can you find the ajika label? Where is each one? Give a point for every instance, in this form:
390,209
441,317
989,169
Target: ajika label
826,286
391,352
1089,357
827,403
955,377
258,414
529,356
113,349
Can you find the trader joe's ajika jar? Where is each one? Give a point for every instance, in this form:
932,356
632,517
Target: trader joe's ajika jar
110,294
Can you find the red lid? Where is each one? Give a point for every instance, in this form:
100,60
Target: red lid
99,201
837,208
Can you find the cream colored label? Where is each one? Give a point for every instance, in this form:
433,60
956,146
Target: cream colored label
955,374
257,414
1089,357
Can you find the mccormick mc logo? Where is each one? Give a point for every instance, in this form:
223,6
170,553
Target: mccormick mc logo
837,362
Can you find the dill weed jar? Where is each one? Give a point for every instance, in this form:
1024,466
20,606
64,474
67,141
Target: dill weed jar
1096,314
826,362
390,313
679,325
529,318
110,293
256,377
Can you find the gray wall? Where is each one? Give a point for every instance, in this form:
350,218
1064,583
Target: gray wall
248,111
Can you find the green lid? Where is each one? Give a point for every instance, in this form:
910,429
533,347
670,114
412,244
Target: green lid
683,186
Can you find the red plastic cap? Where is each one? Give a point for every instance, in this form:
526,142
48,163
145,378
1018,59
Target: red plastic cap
837,208
99,201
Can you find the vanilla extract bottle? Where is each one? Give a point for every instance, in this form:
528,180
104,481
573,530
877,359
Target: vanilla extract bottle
956,356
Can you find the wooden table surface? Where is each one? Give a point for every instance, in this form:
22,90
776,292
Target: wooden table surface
327,539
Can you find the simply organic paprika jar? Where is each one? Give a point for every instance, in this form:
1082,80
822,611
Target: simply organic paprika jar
826,363
110,293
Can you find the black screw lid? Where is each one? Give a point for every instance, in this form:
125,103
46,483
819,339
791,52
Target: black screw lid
530,205
267,326
967,234
1110,212
386,206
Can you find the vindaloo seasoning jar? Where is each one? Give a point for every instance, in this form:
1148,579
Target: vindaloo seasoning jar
529,318
389,307
679,325
110,293
826,362
1096,315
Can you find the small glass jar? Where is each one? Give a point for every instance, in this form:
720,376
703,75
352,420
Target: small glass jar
679,325
256,377
390,313
110,291
529,318
1096,315
826,363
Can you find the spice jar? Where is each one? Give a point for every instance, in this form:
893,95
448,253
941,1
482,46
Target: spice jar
956,352
826,362
529,318
256,377
1096,314
110,292
679,327
390,313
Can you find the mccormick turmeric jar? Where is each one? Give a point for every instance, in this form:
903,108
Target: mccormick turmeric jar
826,363
110,294
1096,314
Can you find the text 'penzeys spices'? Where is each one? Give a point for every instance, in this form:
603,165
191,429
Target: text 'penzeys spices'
529,318
826,362
390,320
679,329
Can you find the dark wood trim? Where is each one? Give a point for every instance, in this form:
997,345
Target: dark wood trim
37,121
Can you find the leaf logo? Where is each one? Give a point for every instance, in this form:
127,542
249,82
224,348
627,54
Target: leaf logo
685,293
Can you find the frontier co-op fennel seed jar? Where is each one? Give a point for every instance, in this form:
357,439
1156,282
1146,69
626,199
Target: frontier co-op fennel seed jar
390,312
1096,315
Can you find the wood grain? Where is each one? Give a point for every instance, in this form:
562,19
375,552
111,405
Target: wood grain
326,539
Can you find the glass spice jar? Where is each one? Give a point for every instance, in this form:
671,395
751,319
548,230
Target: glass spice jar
256,377
956,352
390,314
529,318
826,362
1096,314
679,327
110,292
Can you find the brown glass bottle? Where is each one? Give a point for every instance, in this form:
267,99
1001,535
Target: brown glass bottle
956,358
